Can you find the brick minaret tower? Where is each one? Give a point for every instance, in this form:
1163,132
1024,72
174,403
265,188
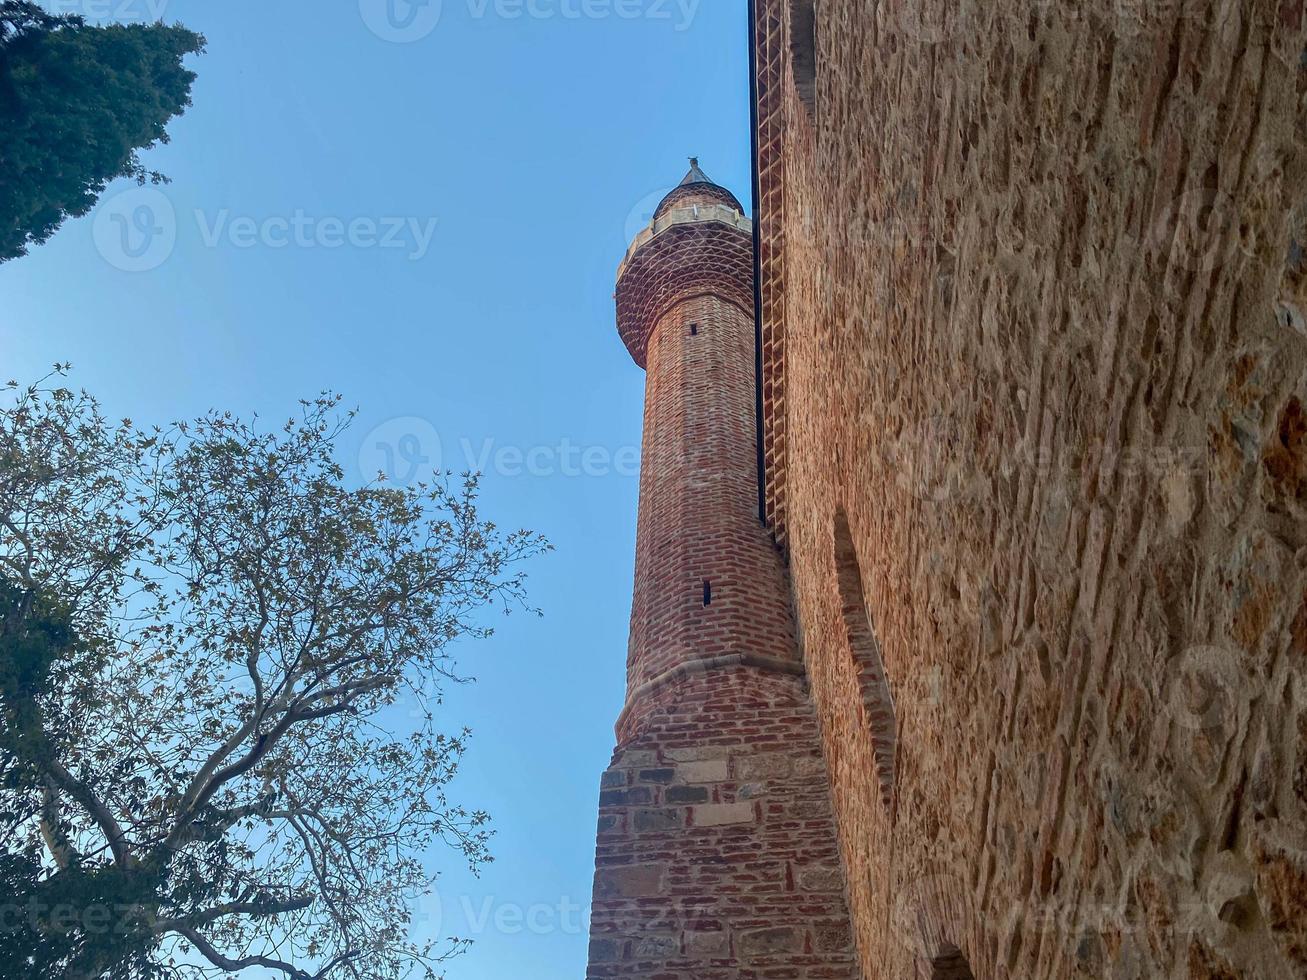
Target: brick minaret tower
717,854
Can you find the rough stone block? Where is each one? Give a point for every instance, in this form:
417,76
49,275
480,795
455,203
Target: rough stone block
769,942
658,776
704,771
638,881
626,797
605,950
772,765
686,794
652,821
821,879
706,945
656,947
722,814
697,753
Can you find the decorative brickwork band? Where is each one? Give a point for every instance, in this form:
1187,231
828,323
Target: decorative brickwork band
683,670
692,251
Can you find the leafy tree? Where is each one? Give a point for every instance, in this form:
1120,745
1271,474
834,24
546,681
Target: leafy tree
76,103
219,668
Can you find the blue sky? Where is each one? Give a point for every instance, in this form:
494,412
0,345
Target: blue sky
426,214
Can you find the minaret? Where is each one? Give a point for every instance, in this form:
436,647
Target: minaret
717,848
709,583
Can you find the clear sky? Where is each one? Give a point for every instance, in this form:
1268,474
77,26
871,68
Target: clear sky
423,208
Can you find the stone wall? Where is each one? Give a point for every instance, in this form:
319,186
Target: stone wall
717,857
1044,352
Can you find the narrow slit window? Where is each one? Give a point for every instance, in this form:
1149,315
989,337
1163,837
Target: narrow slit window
803,51
864,651
694,330
707,593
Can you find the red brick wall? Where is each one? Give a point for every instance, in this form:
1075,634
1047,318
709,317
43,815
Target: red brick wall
699,535
699,502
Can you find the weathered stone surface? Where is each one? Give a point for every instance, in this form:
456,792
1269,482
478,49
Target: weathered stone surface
658,820
822,879
722,814
708,945
766,942
659,776
613,779
626,797
708,771
693,753
686,794
639,881
605,950
656,947
1035,361
772,765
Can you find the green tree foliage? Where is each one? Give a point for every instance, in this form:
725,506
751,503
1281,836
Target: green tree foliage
219,662
76,104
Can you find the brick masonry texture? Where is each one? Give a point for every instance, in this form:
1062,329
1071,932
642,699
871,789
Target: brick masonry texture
698,535
1034,323
688,260
717,857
